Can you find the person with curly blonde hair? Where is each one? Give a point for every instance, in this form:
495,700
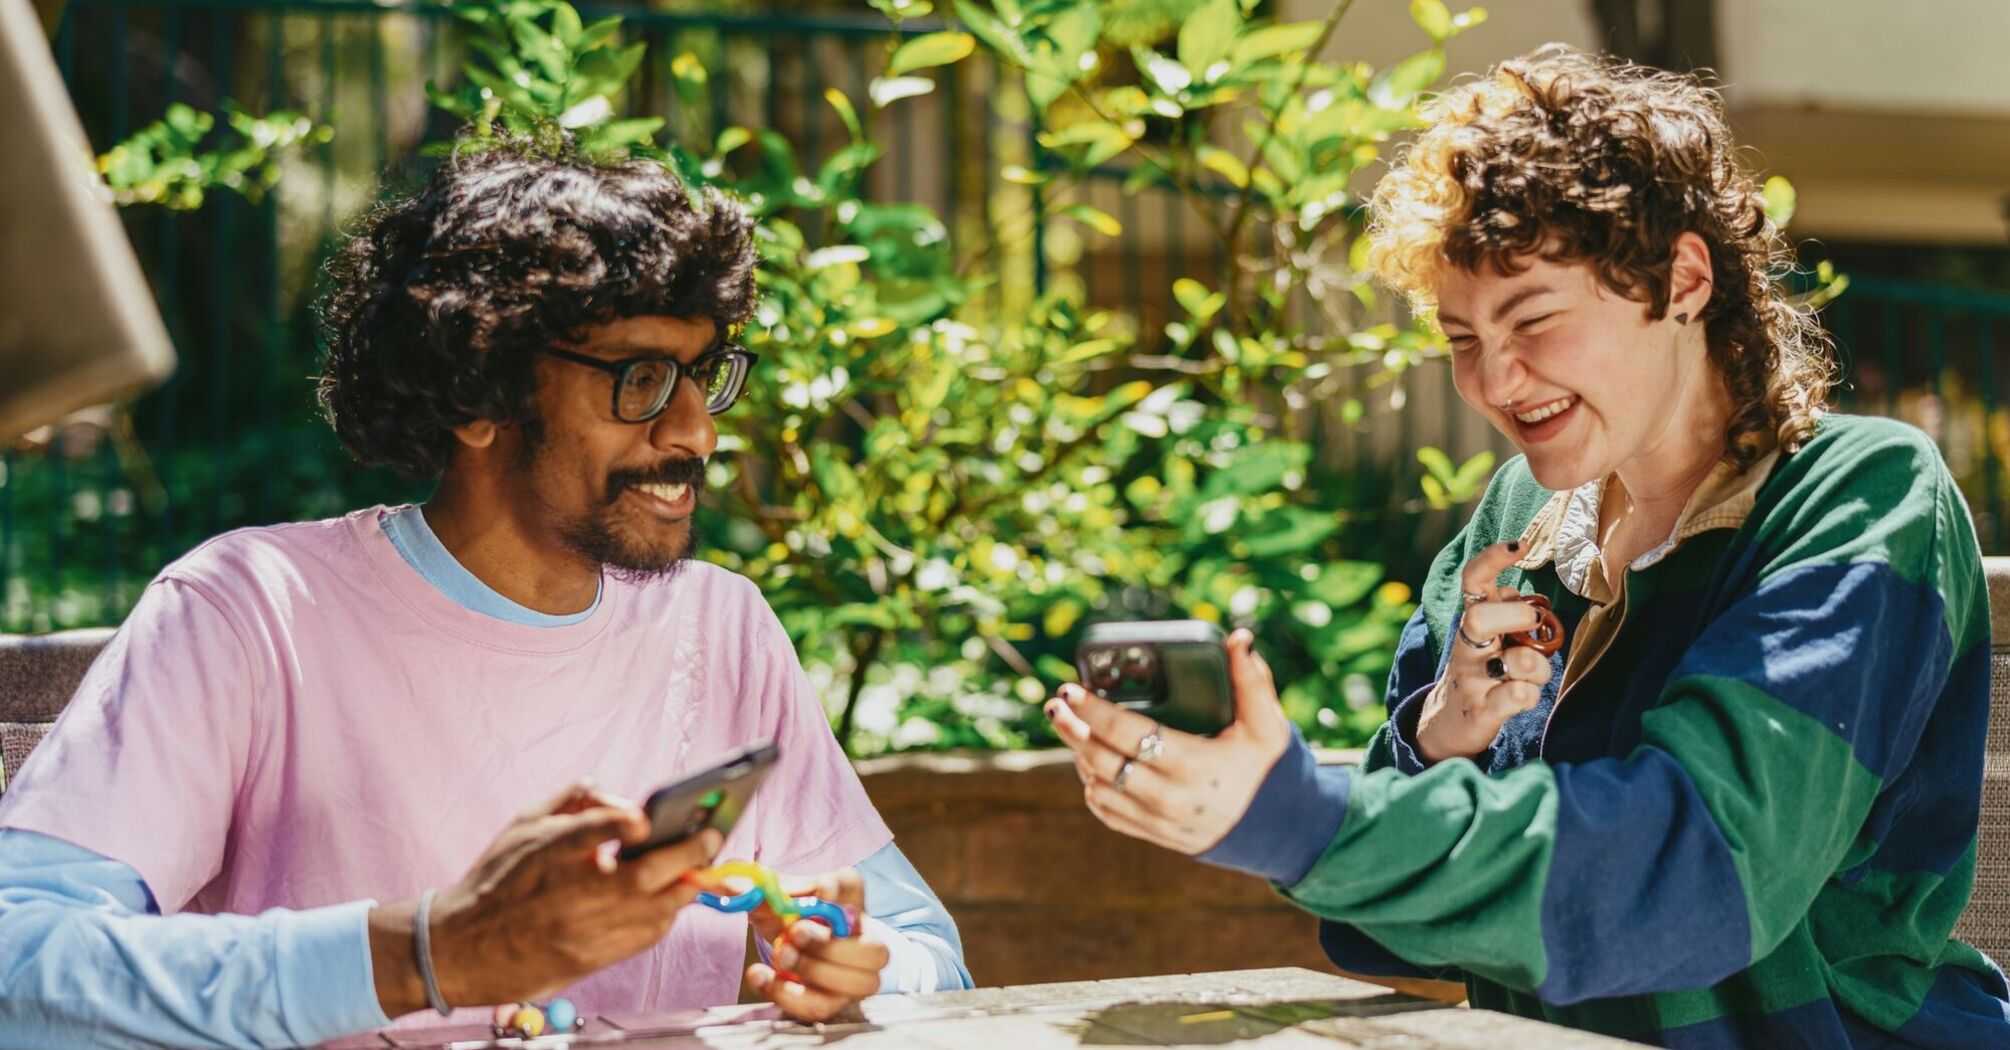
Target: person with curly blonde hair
1725,790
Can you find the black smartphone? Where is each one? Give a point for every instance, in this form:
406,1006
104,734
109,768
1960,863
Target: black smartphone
1172,671
713,797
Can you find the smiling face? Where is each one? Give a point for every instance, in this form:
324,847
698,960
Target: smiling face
1579,377
620,494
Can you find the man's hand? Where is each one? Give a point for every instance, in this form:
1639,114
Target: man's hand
835,971
546,904
1486,684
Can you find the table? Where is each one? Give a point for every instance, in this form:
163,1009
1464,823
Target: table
1275,1009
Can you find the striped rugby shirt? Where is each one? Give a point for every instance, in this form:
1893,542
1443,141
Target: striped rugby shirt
1751,821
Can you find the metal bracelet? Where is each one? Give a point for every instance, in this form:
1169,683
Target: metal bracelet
422,947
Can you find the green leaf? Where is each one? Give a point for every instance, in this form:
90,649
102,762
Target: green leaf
996,35
1433,17
1272,41
1225,164
690,76
886,90
1780,200
1258,469
565,25
1169,76
1207,37
1473,471
1288,530
626,132
1398,85
934,49
600,32
846,112
1435,461
845,162
1342,583
731,139
1190,293
1095,218
1467,19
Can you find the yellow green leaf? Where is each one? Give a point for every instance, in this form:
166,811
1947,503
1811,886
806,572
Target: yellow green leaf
871,327
1780,200
1225,164
845,110
934,49
1096,219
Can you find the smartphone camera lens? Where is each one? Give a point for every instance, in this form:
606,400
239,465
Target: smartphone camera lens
1137,662
1103,673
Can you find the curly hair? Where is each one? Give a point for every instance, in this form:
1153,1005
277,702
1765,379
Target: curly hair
443,299
1572,157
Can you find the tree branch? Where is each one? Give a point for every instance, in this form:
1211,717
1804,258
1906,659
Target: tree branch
1240,217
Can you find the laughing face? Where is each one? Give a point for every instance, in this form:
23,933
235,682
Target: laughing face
1579,377
621,494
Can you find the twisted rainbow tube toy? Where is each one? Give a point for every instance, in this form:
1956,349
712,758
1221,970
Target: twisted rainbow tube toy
716,892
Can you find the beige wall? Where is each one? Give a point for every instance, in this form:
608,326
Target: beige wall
1893,120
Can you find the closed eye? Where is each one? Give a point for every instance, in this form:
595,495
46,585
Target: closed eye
1531,322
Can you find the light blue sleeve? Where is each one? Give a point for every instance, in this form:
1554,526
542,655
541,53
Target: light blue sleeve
89,961
927,953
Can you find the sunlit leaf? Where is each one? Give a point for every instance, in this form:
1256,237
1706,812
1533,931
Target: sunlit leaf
1207,35
1225,164
886,90
1272,41
1780,200
1433,17
934,49
1402,82
1095,218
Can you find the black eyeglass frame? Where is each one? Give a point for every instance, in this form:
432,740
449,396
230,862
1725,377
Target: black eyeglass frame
724,354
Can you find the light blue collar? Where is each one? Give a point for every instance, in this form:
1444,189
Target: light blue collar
422,550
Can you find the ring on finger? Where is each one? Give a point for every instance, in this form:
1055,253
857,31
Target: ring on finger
1469,639
1473,597
1123,774
1151,747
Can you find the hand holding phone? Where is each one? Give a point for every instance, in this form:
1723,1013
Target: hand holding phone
713,797
1174,672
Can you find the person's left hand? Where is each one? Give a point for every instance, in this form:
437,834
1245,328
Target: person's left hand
1196,788
835,971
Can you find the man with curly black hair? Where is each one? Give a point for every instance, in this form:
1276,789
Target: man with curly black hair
298,723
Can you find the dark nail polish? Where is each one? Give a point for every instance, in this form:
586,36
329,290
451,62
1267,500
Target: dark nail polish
1513,546
1497,668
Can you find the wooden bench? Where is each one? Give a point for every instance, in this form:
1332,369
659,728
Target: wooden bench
39,672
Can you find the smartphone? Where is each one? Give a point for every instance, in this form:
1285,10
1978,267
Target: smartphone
1172,671
713,797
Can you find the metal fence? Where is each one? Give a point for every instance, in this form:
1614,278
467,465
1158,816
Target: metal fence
87,516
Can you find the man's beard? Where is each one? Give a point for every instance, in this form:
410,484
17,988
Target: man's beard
597,536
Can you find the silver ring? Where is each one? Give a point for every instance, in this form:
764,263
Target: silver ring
1472,598
1123,774
1468,639
1151,747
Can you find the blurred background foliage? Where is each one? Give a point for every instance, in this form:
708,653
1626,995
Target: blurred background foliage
936,496
956,454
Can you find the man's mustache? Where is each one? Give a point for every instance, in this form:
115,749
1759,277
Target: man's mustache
670,472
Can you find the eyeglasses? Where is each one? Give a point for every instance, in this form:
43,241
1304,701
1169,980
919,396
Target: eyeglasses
643,385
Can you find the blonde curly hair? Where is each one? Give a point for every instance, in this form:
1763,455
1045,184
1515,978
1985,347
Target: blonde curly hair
1572,157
